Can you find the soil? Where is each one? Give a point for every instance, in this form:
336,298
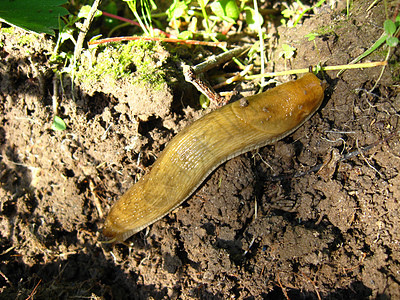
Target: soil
264,225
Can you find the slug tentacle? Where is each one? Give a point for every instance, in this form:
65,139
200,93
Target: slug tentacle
201,147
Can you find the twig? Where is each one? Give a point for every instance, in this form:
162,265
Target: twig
96,200
166,40
383,70
201,85
34,290
7,250
56,81
312,282
250,245
283,289
255,208
236,77
84,29
214,61
366,160
6,278
191,73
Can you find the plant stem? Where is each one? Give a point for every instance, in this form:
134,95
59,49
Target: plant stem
328,68
84,30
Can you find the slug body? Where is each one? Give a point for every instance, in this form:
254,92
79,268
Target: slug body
201,147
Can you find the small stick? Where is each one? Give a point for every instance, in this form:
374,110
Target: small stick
366,160
96,200
34,290
313,283
54,98
236,77
283,289
6,278
84,30
250,245
363,256
191,73
214,61
167,40
201,85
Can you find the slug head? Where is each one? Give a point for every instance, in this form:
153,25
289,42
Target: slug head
283,108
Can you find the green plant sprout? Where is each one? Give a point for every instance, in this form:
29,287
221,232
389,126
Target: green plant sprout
204,101
348,4
178,9
226,10
58,124
251,18
222,10
389,36
203,4
312,36
84,12
287,51
146,6
391,29
66,33
319,3
299,13
258,23
40,16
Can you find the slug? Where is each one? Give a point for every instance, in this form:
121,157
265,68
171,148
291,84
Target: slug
201,147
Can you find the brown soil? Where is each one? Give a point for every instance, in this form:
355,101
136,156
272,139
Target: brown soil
253,230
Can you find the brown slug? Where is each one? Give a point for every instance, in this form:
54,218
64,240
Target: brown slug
201,147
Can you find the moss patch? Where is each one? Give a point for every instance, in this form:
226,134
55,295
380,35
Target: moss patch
137,61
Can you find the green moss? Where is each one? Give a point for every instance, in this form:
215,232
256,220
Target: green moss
9,30
27,39
137,61
22,38
395,70
323,30
380,53
326,30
